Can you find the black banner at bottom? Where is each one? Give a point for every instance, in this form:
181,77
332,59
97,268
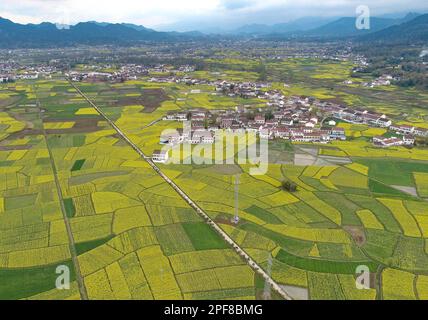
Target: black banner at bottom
205,309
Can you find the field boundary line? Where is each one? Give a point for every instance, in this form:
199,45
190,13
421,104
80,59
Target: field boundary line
71,242
192,204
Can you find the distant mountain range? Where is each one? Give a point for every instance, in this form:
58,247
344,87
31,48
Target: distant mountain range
413,27
412,31
345,27
302,24
13,35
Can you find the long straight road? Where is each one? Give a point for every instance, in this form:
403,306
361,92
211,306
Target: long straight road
71,242
253,264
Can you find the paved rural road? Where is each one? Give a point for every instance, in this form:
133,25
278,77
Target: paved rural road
207,219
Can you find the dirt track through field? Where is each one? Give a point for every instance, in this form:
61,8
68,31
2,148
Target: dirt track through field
71,242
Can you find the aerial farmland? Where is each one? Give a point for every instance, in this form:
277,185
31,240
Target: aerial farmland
78,189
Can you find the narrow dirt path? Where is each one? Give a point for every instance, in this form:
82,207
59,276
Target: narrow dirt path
72,245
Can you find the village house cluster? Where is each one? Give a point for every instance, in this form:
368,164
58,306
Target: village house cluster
291,119
96,73
241,89
5,78
385,142
356,116
10,72
384,80
298,119
373,119
409,130
408,134
127,72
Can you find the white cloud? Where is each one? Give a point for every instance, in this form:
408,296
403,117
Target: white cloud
156,12
138,11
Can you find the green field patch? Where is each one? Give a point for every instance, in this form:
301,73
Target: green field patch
263,214
347,178
299,214
393,172
335,251
356,191
19,202
173,239
221,294
380,245
323,266
83,179
315,183
66,141
296,246
83,247
324,286
382,213
410,255
70,209
346,207
382,189
6,164
43,161
78,165
23,283
203,237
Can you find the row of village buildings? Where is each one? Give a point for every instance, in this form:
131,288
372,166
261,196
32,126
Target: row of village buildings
293,121
406,134
292,118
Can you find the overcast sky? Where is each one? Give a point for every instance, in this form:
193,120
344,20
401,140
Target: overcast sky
157,13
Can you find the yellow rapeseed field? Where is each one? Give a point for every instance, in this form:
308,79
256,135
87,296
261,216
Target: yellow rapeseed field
55,294
404,218
216,279
98,286
134,276
57,233
38,257
397,285
325,172
280,198
359,168
86,111
347,282
98,259
200,260
42,153
327,210
58,125
16,155
129,218
118,282
421,180
369,220
1,205
158,272
312,234
133,240
422,287
105,202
